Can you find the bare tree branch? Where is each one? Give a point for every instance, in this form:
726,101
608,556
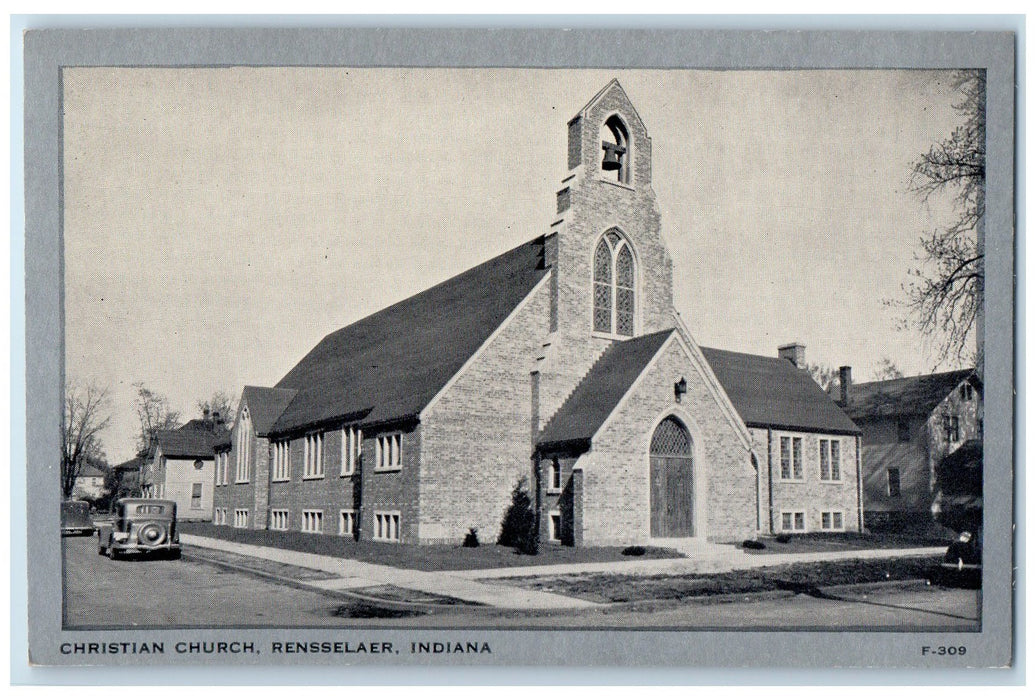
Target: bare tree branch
87,413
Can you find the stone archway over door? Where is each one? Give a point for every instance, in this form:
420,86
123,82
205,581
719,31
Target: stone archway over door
672,480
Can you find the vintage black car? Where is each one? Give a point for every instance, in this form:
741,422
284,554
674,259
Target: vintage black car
75,518
143,526
958,506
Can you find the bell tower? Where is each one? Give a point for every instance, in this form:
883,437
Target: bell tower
612,273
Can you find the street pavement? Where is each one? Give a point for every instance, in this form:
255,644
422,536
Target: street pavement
146,593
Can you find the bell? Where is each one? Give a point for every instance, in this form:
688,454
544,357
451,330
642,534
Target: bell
612,151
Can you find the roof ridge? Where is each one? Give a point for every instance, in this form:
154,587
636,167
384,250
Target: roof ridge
931,375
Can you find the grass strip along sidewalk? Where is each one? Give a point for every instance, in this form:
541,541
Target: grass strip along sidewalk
425,557
797,578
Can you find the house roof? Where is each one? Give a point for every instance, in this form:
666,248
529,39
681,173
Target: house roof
265,404
771,392
185,442
389,365
905,396
600,391
90,470
130,464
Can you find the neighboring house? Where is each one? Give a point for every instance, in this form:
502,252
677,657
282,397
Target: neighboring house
561,362
805,445
181,468
127,481
909,425
89,484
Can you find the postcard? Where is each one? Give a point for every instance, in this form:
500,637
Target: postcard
513,347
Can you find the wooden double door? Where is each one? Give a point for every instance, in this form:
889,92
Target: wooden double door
672,480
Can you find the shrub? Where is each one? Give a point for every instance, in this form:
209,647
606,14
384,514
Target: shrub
634,551
752,544
783,538
518,528
471,539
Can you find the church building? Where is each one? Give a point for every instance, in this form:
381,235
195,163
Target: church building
561,363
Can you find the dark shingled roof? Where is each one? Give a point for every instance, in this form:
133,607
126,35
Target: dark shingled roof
185,442
596,396
389,365
771,392
265,404
906,396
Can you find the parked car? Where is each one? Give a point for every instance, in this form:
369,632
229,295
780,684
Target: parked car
958,506
141,525
75,518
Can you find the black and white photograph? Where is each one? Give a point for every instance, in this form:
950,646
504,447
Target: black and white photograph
396,361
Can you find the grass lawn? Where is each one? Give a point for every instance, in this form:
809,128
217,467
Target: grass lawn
842,541
423,557
801,578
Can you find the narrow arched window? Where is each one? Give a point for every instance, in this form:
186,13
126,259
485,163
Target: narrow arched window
614,286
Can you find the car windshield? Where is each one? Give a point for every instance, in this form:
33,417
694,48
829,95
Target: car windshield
149,509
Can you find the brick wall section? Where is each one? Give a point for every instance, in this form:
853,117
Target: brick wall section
476,441
260,470
234,495
329,494
598,203
563,499
392,490
810,495
616,491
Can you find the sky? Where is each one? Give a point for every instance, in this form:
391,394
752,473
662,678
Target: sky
219,222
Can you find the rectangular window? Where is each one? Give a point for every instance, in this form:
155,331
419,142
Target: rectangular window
903,430
386,525
893,482
352,446
281,453
793,521
791,458
241,517
830,460
347,523
951,425
314,456
313,521
832,520
278,519
555,526
966,392
389,452
195,495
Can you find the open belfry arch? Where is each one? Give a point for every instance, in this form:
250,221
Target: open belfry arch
561,364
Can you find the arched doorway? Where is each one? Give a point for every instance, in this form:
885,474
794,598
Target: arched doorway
672,480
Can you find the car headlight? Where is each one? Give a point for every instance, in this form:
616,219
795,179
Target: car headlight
965,537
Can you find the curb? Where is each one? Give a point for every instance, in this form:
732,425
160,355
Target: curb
346,595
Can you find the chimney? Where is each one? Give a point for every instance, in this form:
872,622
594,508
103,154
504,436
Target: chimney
845,379
795,353
217,422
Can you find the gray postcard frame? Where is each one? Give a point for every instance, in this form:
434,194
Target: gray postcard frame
47,51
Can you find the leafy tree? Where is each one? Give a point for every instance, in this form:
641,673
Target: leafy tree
220,403
826,377
87,413
944,295
519,529
154,414
887,369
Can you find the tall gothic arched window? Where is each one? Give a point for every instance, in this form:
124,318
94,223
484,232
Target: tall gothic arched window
614,286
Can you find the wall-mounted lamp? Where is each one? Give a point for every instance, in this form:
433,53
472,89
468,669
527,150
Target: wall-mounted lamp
679,389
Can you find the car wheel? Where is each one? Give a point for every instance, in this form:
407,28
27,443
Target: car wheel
112,553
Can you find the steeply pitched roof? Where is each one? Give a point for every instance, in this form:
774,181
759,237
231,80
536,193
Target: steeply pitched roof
130,464
600,391
265,405
906,396
389,365
772,392
185,442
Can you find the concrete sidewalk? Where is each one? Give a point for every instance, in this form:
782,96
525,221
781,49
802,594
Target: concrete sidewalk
352,574
708,563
